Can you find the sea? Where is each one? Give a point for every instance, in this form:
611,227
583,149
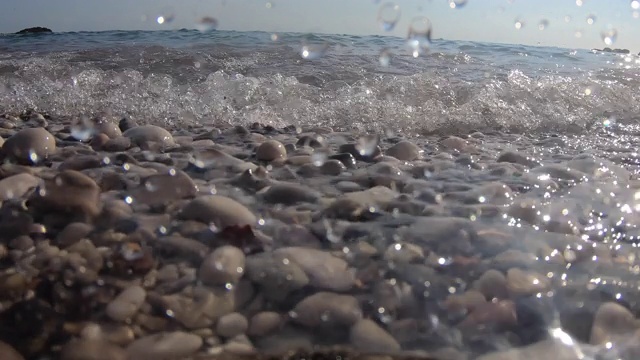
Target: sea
587,100
343,81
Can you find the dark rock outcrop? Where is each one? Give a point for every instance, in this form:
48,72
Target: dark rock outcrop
35,30
616,51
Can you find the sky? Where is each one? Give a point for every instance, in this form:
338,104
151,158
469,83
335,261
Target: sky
477,20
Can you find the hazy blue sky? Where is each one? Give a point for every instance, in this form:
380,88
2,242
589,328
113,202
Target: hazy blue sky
484,20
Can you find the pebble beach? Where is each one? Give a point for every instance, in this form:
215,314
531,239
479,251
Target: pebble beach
144,242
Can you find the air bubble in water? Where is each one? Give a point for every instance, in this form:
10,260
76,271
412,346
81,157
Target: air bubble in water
519,24
635,4
82,129
591,19
207,24
388,16
313,51
419,37
543,24
457,4
609,36
385,57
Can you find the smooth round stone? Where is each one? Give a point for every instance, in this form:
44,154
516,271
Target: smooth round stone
16,186
492,284
30,145
404,253
501,314
149,134
454,143
108,128
161,189
72,233
355,151
405,150
126,304
517,158
231,325
164,346
271,150
264,323
332,167
327,309
7,352
276,274
612,320
219,210
324,270
1,141
367,336
289,194
73,190
86,349
311,141
523,283
224,265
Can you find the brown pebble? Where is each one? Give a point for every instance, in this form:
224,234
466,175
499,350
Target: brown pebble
141,135
224,265
7,352
264,323
108,128
405,151
367,336
16,186
271,150
71,191
231,325
30,146
91,350
219,210
612,321
327,309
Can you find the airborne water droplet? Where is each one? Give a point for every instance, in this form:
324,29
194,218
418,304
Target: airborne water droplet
313,51
82,129
457,4
635,4
388,16
367,145
519,24
609,36
165,17
385,57
318,158
419,37
591,19
207,24
543,24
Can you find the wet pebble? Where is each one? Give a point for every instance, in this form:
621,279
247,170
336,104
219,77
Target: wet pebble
224,265
219,210
324,270
327,309
405,151
164,346
144,134
30,146
126,304
271,150
91,350
369,337
232,325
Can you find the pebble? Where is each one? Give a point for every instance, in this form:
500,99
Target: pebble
276,274
405,151
73,191
219,210
7,352
175,345
91,350
126,304
17,186
224,265
327,309
143,134
289,194
271,150
30,146
369,337
324,270
232,325
522,283
161,189
611,322
264,323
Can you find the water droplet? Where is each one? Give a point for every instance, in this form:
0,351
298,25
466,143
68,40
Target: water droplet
457,4
519,24
165,17
33,156
543,24
567,18
419,37
388,16
609,36
207,24
274,37
591,19
313,51
269,5
579,2
367,145
385,57
578,34
635,4
82,129
318,158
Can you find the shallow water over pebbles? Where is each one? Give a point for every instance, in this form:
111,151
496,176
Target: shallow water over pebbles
211,241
